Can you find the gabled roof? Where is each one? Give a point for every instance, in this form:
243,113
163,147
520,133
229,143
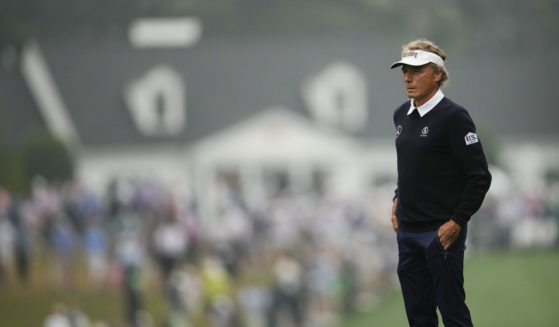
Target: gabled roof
231,79
227,80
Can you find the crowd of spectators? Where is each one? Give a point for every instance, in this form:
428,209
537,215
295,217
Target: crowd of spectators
298,260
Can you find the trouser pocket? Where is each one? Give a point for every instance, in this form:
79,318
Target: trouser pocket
435,248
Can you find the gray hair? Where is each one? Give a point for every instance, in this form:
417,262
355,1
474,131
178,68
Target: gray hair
426,45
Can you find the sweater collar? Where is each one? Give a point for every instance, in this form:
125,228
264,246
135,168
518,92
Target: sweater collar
427,106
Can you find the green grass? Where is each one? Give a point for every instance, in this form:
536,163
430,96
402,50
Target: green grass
28,305
503,289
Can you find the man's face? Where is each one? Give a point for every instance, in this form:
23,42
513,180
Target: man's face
421,82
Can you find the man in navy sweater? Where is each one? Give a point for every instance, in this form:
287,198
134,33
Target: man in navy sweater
442,181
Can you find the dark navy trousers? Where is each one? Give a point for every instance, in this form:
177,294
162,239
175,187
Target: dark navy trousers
432,277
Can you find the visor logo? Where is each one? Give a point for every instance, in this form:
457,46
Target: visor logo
409,54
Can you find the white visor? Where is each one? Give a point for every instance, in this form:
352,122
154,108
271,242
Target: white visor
419,58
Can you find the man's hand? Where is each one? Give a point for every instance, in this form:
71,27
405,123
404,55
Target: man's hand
448,233
394,218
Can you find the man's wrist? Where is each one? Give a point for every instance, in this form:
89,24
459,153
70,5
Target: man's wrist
460,221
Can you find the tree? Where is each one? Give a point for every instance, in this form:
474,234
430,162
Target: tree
46,156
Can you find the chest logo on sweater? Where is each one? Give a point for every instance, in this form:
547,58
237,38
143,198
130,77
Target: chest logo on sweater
424,131
471,138
398,130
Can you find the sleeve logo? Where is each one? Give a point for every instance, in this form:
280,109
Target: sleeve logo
398,130
471,138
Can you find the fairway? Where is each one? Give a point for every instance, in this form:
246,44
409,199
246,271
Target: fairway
503,289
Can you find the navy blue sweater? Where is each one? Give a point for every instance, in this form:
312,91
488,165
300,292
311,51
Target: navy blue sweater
442,170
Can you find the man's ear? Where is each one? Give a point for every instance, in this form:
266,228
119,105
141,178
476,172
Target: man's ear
438,75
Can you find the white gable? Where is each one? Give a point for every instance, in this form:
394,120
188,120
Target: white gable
276,135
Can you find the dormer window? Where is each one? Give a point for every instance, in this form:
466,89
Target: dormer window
337,97
156,102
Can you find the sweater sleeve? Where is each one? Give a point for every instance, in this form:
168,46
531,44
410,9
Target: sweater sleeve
395,127
467,150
